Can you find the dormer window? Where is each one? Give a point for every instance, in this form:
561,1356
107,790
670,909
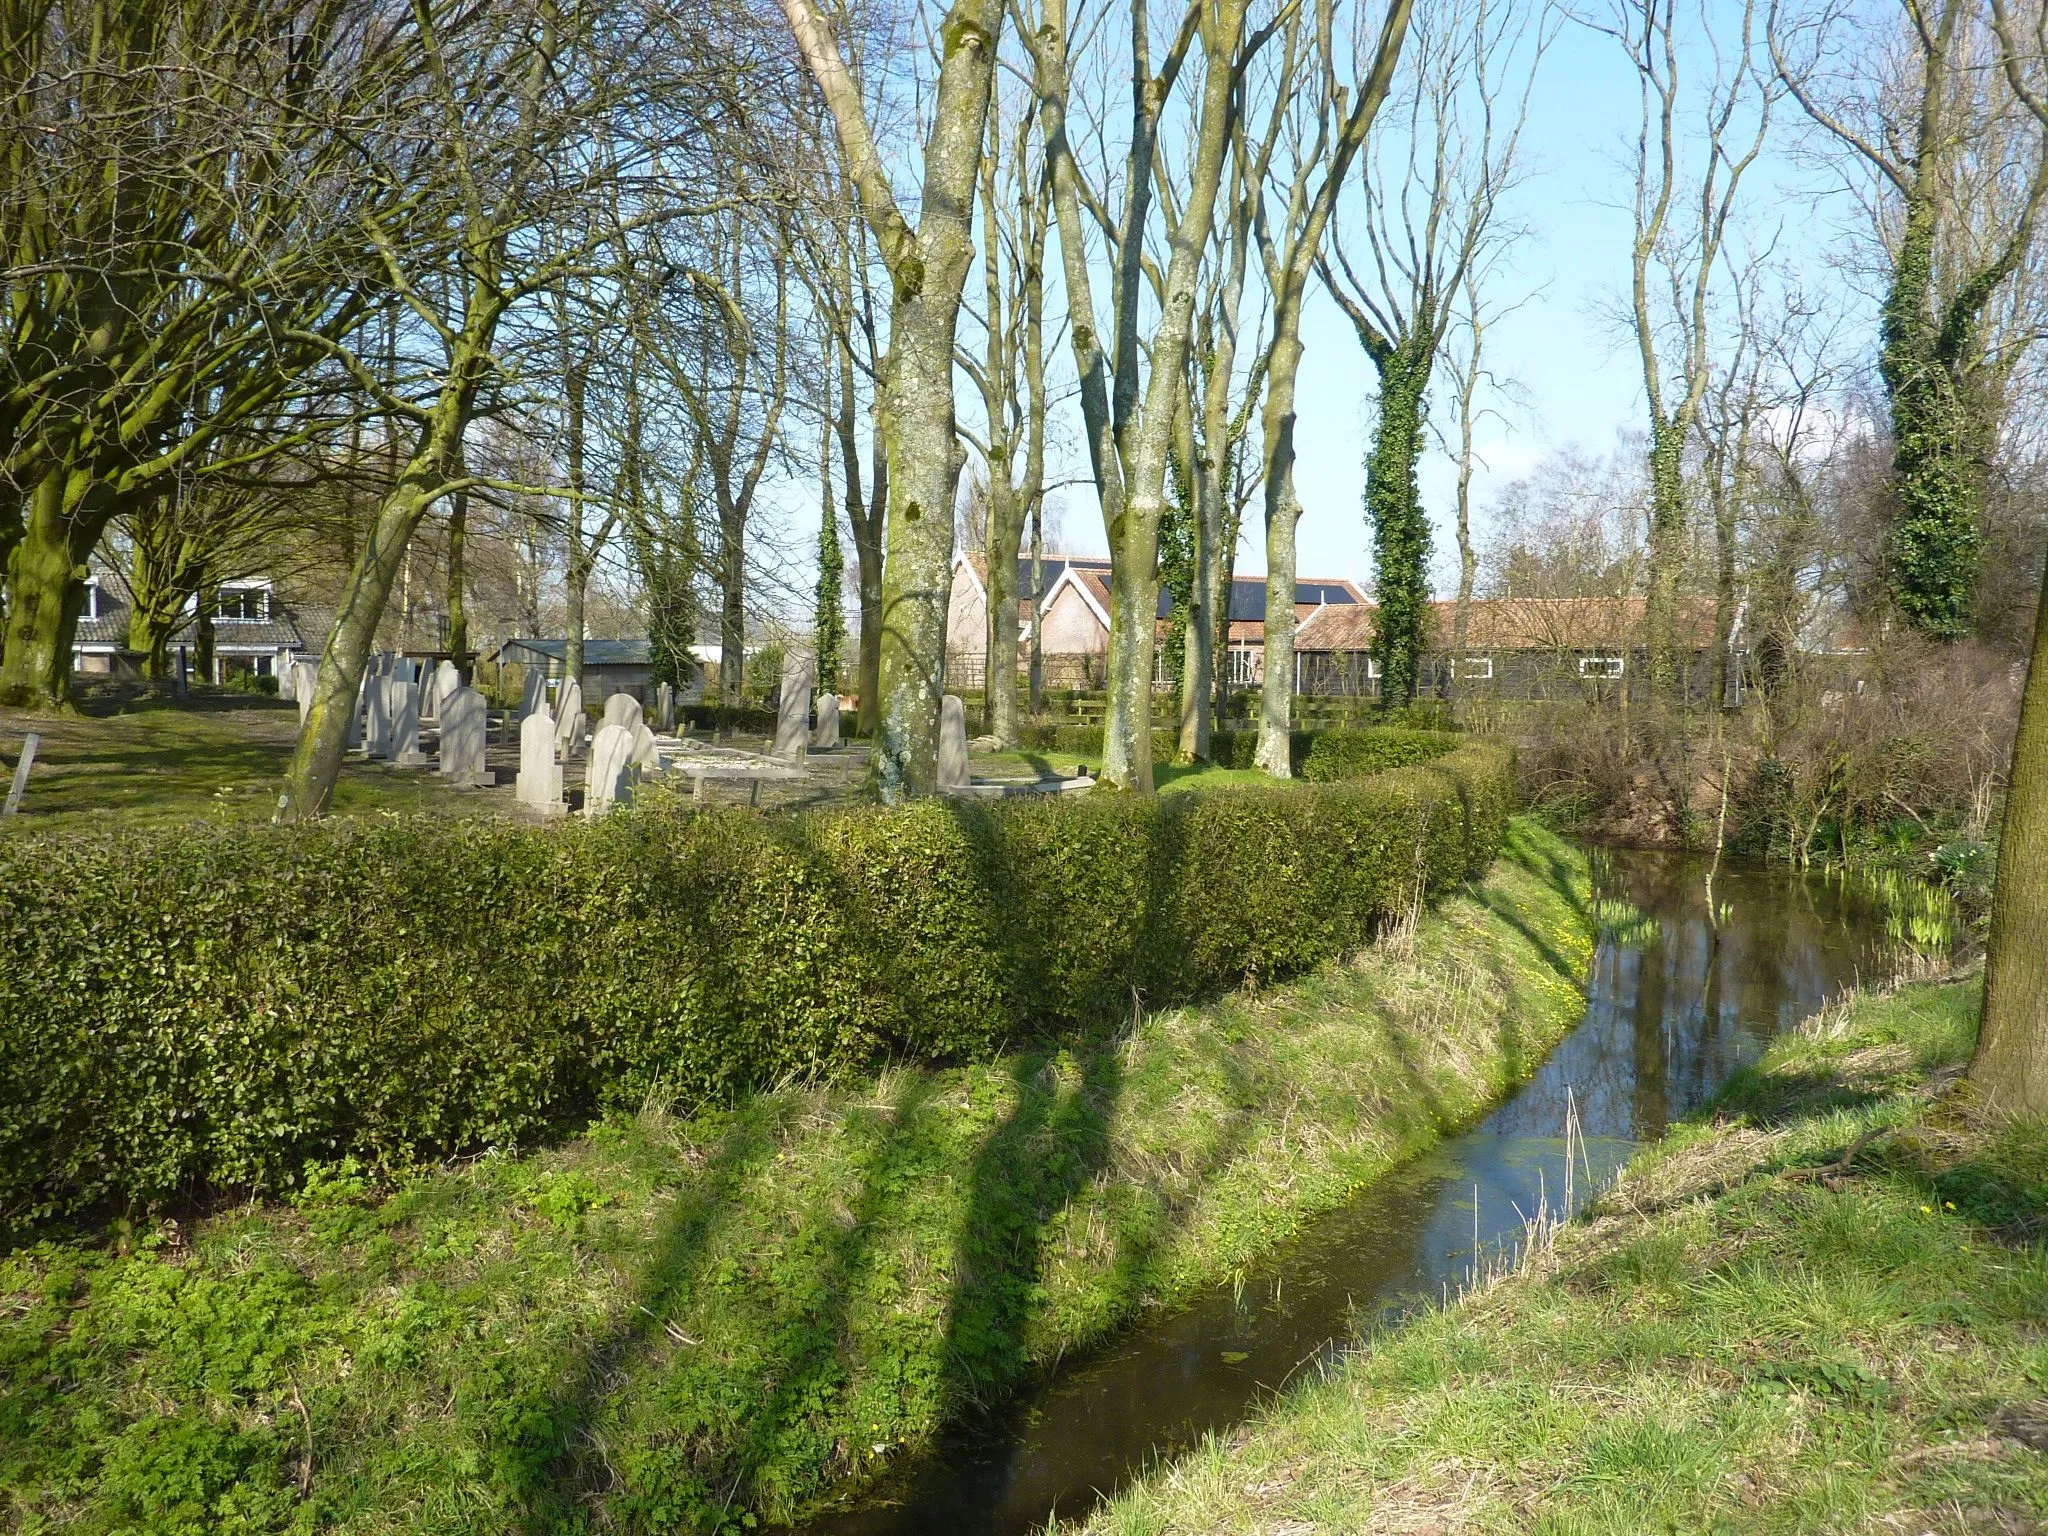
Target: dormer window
242,603
93,600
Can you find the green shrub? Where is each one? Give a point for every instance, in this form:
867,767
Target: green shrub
1321,756
748,718
224,1008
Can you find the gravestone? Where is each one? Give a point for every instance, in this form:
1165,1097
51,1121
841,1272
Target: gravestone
464,726
665,708
305,676
793,714
535,695
405,723
540,776
377,701
441,687
570,724
826,735
19,787
622,709
952,742
612,773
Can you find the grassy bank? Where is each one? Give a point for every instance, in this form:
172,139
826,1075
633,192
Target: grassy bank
670,1323
1822,1308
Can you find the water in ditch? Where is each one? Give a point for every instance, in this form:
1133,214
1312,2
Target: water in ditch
1679,998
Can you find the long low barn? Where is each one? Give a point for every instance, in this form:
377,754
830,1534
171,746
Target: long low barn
1514,647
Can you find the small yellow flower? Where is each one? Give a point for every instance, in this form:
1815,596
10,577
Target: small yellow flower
1948,1205
1926,1210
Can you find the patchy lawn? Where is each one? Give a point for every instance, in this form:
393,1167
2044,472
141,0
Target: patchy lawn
1823,1307
213,757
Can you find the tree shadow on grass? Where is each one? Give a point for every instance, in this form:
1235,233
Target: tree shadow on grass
664,1431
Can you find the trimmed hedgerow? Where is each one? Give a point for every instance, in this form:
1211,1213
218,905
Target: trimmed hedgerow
1324,756
220,1009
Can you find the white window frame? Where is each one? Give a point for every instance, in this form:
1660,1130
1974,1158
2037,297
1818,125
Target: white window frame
1372,667
1603,669
1471,672
92,599
242,595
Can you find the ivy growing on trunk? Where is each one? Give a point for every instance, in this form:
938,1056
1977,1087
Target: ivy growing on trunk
1400,528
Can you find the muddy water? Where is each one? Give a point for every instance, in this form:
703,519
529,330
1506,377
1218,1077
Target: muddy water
1677,1002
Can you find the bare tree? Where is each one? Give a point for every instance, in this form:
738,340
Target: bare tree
1682,216
928,268
1130,408
1010,375
515,97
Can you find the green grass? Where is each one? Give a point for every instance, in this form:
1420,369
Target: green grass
142,762
1740,1337
671,1323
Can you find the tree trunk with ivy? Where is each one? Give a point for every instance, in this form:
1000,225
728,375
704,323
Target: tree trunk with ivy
1666,554
1400,527
1939,442
828,620
2010,1067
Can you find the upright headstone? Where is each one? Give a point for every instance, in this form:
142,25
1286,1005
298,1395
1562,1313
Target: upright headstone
535,696
405,723
305,676
540,776
665,708
612,772
377,701
952,742
441,687
464,726
827,733
793,714
622,709
20,785
569,722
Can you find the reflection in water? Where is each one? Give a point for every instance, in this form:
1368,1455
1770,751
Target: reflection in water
1676,1004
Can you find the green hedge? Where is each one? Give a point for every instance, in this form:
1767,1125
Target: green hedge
1322,756
217,1009
748,719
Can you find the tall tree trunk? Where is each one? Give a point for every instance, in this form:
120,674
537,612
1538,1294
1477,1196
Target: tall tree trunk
732,601
1134,545
458,604
2011,1063
924,474
1400,527
828,621
46,572
1666,556
1283,515
1002,545
316,763
203,637
1037,604
928,270
1198,670
576,578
